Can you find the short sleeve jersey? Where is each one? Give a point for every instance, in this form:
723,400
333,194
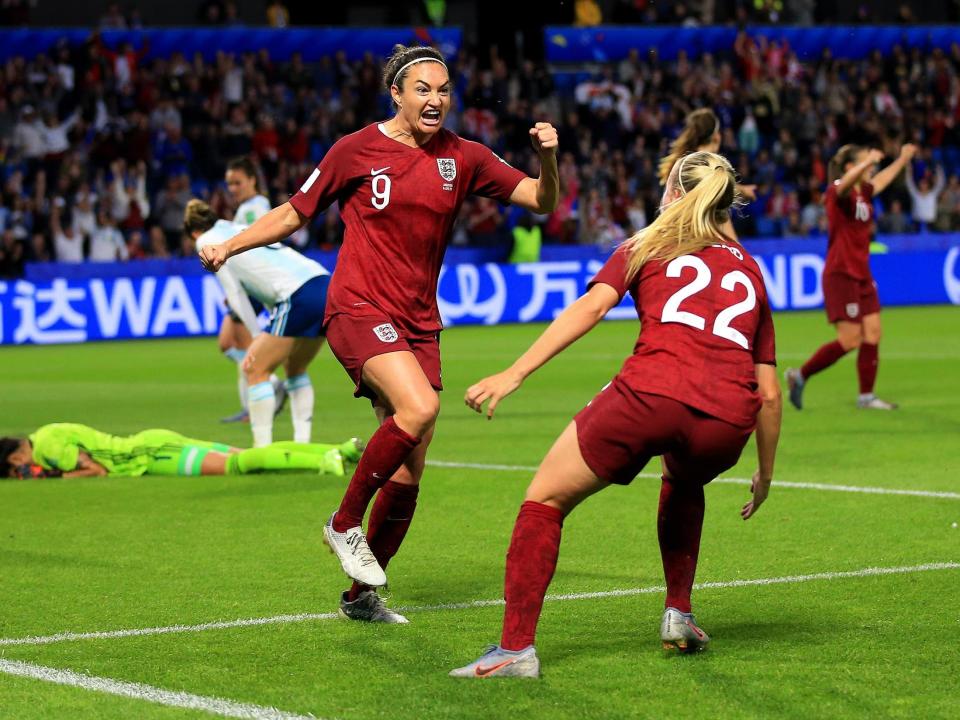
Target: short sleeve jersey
252,210
704,323
399,205
849,223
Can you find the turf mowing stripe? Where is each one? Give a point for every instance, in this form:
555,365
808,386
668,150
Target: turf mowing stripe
730,481
303,617
139,691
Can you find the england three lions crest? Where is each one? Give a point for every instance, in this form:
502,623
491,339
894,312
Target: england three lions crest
447,168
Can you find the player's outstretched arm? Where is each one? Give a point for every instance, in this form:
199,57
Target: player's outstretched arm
541,195
86,467
768,434
886,176
572,324
279,223
851,176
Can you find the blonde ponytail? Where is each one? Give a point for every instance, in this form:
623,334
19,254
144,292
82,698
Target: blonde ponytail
198,217
708,188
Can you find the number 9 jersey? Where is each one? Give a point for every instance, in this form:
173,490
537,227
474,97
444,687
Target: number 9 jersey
399,204
704,323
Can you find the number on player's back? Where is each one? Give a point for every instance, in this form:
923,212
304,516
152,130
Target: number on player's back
703,277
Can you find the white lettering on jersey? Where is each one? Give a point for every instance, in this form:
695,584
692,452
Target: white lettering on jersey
310,181
862,212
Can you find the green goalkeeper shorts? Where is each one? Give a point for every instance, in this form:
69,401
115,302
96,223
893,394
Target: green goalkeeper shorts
170,453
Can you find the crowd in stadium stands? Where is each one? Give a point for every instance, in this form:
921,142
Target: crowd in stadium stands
102,148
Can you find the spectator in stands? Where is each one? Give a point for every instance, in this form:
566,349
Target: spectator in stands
67,242
106,242
895,221
948,206
170,204
12,257
924,196
277,15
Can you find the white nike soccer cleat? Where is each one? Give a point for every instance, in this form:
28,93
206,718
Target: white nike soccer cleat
369,607
679,631
795,383
355,556
497,662
872,402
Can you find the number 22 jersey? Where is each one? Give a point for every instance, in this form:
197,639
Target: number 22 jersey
399,204
704,323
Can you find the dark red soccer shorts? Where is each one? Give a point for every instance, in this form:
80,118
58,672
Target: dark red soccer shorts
355,339
621,430
849,299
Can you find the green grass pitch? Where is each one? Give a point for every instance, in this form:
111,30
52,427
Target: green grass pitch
106,554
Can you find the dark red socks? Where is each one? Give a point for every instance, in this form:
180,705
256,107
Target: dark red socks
679,524
867,361
389,520
823,358
384,455
531,561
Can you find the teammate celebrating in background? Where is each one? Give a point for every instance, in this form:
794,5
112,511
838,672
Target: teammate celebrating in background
849,292
400,185
689,393
235,337
701,133
294,287
70,450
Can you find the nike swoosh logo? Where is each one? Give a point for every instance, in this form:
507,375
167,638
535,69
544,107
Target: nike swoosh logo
481,671
381,170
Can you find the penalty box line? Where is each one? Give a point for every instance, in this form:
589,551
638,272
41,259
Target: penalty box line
628,592
867,490
147,693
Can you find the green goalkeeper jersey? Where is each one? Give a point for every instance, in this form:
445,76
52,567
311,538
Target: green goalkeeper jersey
57,446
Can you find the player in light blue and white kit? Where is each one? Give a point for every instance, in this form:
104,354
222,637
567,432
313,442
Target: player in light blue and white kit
294,288
234,339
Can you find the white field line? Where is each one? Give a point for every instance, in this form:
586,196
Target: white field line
942,494
303,617
139,691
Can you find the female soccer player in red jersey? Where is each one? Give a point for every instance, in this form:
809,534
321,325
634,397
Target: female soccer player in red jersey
849,292
400,185
700,379
701,133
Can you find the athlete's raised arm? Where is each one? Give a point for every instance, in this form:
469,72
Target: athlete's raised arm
572,324
541,195
886,176
851,176
279,223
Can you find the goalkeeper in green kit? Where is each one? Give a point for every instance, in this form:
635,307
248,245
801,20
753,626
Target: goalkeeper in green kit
70,450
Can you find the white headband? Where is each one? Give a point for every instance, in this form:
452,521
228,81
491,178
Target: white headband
680,172
414,62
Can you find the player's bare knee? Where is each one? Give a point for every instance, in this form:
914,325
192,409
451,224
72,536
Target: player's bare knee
850,341
418,414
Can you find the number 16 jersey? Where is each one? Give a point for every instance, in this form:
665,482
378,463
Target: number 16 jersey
704,324
399,204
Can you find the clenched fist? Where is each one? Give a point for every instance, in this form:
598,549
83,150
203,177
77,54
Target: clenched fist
212,257
543,135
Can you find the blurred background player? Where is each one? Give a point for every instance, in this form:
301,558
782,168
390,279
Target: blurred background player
701,133
294,287
234,338
849,291
72,451
700,379
400,184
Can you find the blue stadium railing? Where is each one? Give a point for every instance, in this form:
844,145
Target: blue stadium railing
312,43
608,43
